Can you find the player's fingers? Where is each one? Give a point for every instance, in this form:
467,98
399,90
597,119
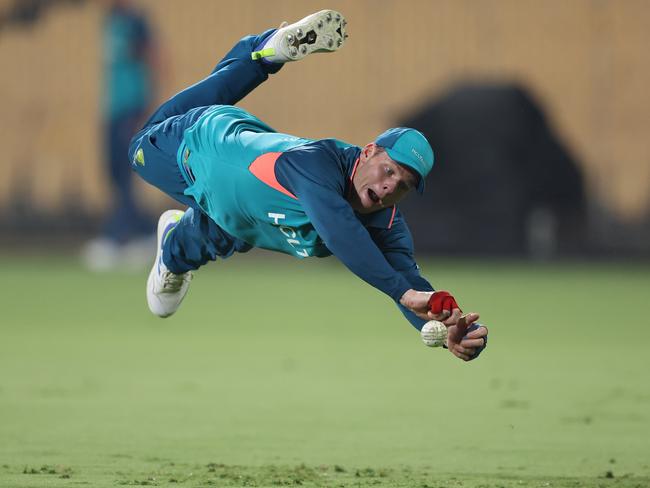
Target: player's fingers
453,318
462,324
466,320
471,317
440,317
423,316
460,355
469,351
482,331
480,342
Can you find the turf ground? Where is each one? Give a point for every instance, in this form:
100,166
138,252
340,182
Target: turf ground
285,373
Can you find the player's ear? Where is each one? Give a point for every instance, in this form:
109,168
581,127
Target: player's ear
368,151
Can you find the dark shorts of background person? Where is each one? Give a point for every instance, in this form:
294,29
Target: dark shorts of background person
126,219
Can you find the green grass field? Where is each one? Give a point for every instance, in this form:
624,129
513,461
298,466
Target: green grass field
277,372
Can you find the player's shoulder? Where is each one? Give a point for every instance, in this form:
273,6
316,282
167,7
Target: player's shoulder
325,149
322,158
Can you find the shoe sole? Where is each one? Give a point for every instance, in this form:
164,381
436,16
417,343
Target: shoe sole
165,219
323,31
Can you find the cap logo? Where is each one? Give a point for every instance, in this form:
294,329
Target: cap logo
417,155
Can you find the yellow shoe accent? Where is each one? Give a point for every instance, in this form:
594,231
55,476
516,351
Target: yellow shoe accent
264,53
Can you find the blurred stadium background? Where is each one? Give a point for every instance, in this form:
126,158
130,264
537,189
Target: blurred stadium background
537,215
581,65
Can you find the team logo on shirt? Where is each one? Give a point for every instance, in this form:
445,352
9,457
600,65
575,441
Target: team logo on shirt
289,233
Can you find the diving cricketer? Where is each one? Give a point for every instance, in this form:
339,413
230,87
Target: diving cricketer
246,185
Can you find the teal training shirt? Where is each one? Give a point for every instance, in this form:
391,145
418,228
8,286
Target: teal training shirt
297,206
224,148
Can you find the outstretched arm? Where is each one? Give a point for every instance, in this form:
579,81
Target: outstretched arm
312,173
382,259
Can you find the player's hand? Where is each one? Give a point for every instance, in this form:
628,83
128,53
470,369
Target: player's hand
417,302
443,308
466,340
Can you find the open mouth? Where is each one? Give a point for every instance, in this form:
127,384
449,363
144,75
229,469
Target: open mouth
373,196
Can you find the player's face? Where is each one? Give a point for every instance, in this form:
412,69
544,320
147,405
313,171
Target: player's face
379,182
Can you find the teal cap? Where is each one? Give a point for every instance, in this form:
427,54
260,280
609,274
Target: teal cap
408,147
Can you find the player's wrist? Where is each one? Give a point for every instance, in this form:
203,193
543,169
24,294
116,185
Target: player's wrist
407,297
415,300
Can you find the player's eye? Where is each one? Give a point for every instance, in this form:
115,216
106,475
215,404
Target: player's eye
388,170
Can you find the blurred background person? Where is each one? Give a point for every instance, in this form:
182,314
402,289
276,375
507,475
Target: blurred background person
130,64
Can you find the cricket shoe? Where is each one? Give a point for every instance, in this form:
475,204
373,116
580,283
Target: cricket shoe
323,31
166,290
